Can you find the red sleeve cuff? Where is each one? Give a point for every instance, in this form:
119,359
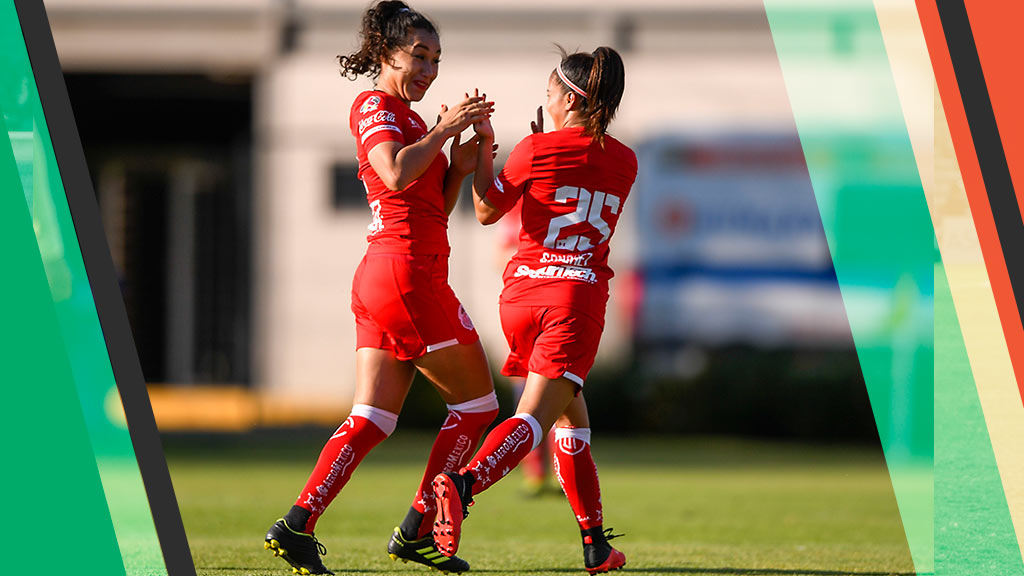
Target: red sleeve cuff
502,195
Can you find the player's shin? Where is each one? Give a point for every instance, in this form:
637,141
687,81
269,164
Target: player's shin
455,443
503,449
577,473
365,427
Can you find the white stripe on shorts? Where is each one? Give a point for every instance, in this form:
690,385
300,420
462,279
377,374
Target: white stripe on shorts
444,344
572,377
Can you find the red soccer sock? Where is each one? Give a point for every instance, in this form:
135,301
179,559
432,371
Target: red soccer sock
503,449
452,448
577,474
338,459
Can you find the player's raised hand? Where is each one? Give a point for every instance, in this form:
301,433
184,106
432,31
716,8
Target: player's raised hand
484,129
471,110
463,156
537,126
482,126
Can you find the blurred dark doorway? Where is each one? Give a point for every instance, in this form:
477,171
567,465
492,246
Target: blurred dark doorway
171,161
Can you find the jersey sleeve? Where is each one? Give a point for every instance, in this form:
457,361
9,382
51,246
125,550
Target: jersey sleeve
377,120
510,184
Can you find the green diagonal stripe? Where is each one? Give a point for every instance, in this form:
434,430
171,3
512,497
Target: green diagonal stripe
973,530
33,179
879,231
54,498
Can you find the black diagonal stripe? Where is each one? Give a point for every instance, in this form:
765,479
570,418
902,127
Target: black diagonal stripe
987,144
100,268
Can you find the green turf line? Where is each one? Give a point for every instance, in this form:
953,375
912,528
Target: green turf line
878,228
36,183
973,530
55,508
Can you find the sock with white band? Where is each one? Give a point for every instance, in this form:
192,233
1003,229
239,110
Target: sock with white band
386,421
503,449
364,428
538,434
482,404
582,434
577,473
455,443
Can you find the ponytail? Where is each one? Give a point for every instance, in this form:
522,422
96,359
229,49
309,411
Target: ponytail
604,78
385,28
604,91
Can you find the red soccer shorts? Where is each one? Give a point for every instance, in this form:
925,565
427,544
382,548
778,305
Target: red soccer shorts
553,341
403,303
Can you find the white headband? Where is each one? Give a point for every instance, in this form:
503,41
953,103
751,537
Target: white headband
568,82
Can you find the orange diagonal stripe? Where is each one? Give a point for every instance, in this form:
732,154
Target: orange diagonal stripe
977,196
997,35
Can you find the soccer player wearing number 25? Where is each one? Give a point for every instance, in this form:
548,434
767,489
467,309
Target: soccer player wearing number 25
573,182
407,317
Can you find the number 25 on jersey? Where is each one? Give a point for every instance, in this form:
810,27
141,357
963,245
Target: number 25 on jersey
589,206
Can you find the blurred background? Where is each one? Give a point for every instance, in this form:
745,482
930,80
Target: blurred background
217,138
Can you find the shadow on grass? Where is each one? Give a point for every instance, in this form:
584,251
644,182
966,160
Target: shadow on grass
726,571
231,570
763,571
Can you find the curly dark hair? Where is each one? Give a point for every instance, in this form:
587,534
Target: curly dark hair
386,27
603,77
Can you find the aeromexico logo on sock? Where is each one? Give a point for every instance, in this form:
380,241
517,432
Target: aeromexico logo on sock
338,468
458,454
514,440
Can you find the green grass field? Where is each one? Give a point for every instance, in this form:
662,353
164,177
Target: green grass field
687,506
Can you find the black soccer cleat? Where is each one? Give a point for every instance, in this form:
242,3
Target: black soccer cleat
299,549
453,494
598,554
424,551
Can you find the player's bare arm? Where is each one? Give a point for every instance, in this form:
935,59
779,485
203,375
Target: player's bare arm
462,163
486,213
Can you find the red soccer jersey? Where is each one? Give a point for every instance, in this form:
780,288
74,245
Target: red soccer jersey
408,221
573,193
